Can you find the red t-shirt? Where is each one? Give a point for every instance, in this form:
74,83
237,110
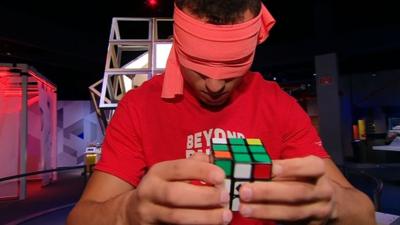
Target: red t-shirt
146,129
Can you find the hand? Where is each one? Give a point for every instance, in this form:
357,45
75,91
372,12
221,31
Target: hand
299,191
165,194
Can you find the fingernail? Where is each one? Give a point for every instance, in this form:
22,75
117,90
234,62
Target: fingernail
217,178
224,197
276,169
245,211
227,216
245,193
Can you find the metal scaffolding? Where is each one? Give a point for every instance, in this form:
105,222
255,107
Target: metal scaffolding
130,62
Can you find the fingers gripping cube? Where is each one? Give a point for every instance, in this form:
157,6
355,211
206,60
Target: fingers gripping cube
243,160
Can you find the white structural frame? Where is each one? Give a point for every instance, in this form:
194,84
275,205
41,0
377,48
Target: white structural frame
112,87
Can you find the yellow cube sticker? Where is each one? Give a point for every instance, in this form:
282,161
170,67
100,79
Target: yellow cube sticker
253,141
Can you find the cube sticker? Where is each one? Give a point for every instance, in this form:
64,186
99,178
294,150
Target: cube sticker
243,160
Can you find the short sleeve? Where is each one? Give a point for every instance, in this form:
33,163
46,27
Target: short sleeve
122,154
300,138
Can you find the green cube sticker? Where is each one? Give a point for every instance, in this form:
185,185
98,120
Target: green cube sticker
257,149
262,158
239,148
242,158
236,141
220,147
225,165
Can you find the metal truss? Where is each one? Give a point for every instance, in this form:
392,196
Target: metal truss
130,61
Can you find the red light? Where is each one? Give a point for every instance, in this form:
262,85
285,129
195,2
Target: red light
152,3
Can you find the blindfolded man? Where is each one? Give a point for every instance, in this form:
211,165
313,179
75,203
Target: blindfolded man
151,149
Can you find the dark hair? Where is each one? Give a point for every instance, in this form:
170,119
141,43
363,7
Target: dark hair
220,11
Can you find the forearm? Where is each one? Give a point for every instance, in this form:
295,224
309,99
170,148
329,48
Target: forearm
353,207
112,211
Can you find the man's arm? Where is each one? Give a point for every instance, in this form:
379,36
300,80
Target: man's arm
164,195
103,201
306,190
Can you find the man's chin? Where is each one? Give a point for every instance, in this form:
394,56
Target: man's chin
214,104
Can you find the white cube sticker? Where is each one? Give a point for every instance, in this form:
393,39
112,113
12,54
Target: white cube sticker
242,171
228,185
219,141
235,204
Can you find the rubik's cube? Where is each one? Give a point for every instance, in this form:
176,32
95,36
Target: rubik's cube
243,160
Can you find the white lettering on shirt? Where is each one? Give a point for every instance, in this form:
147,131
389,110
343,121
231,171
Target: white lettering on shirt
197,140
201,141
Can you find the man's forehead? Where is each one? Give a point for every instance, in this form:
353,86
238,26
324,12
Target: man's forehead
247,15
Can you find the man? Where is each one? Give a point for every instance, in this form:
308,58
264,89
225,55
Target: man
208,91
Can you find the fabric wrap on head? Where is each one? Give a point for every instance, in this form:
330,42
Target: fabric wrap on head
216,51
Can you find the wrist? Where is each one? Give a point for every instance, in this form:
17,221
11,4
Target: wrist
129,209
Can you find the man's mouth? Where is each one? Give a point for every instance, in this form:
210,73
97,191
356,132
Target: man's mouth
215,99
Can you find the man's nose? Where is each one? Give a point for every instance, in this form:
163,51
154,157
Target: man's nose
215,86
